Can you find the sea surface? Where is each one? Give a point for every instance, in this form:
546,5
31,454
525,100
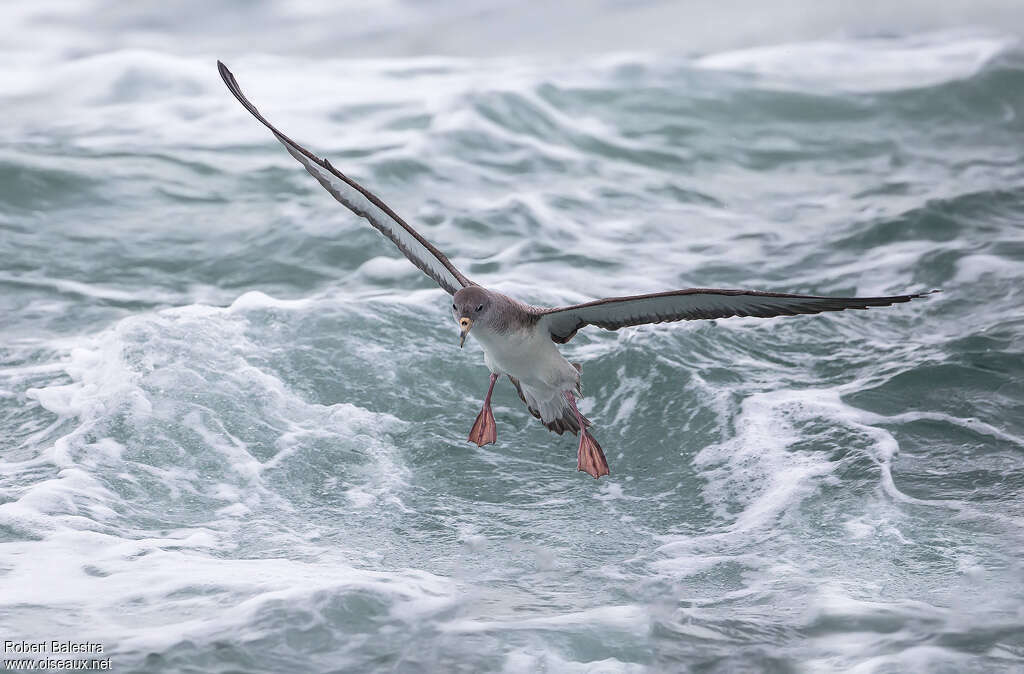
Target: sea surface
233,417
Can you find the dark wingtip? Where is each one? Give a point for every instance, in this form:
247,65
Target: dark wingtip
232,84
227,76
917,296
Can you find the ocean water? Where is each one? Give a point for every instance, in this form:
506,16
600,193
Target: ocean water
233,417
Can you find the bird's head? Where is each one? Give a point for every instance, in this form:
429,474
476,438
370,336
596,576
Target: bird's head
470,305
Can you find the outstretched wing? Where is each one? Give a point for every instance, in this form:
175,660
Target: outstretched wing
362,202
693,303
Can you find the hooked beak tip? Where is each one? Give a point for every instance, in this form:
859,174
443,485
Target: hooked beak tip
465,324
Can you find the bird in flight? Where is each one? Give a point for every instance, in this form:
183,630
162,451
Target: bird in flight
520,340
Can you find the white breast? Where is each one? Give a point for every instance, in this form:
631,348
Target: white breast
528,355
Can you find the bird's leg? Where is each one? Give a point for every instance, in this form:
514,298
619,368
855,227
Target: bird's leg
589,457
484,430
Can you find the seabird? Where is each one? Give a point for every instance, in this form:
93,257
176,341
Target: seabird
520,340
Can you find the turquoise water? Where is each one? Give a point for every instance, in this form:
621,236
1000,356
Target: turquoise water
233,418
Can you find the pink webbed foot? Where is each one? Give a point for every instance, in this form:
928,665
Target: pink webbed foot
590,458
485,431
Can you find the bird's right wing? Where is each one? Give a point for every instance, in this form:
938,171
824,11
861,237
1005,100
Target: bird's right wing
362,202
695,303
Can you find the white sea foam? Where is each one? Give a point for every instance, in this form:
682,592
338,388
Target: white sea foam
973,268
540,660
89,562
868,64
755,467
89,575
255,299
140,370
626,618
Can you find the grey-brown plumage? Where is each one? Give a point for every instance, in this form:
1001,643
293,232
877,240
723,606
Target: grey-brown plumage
519,340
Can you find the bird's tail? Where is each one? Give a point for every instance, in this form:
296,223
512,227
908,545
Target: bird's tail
555,413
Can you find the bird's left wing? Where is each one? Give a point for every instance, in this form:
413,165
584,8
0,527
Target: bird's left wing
694,303
362,202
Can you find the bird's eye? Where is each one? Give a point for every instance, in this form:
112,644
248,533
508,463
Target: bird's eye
455,307
480,308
